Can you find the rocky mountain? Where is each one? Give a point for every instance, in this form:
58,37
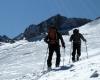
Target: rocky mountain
6,39
19,37
31,31
62,23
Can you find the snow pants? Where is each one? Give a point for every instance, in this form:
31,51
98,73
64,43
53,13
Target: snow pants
76,47
51,51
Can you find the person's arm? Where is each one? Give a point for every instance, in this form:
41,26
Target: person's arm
82,38
46,39
62,41
71,38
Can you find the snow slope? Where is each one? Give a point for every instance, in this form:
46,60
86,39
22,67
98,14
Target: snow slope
25,60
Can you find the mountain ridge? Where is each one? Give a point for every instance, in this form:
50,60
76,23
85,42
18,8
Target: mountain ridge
62,23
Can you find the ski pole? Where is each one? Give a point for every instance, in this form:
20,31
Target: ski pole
70,52
64,57
45,59
86,50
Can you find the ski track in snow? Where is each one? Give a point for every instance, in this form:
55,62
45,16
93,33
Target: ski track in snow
24,60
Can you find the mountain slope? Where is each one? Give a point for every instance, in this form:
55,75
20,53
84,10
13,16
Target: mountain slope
87,69
24,60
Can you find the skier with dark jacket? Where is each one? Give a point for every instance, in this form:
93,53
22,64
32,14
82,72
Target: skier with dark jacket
76,39
52,39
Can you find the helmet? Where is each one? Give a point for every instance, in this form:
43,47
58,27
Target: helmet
75,31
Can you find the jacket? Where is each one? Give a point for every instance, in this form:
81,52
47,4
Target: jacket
76,38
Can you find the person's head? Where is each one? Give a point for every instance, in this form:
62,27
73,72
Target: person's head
75,31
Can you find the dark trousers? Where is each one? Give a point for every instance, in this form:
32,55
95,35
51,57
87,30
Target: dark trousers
76,47
51,51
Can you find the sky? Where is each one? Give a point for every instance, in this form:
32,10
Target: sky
17,15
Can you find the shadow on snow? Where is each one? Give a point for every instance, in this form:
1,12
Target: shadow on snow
64,68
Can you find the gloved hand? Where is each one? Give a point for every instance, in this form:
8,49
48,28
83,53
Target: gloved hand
63,45
85,40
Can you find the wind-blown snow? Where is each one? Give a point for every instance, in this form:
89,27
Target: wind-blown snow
25,60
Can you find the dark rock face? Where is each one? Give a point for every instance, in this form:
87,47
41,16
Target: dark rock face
6,39
31,31
19,37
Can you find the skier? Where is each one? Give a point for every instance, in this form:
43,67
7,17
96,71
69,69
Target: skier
76,39
52,39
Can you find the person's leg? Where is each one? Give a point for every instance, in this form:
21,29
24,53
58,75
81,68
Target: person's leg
74,52
51,50
78,51
57,50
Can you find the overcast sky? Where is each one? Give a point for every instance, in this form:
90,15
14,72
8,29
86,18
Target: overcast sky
16,15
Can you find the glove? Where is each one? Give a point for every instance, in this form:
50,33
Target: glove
85,40
63,45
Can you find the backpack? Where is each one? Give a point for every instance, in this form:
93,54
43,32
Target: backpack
76,38
52,35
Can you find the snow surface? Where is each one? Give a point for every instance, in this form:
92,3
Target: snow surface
25,60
